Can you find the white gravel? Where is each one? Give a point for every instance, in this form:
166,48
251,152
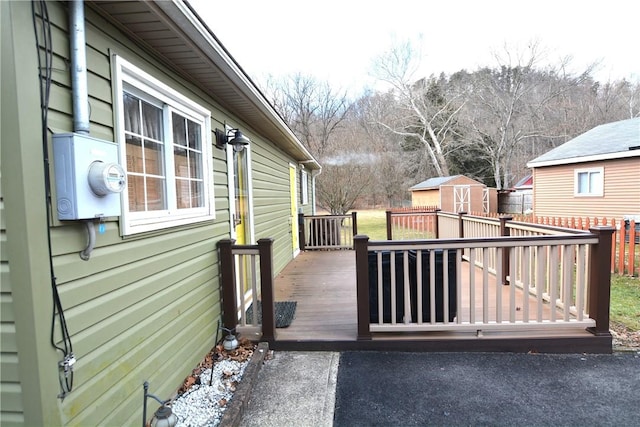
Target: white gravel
203,404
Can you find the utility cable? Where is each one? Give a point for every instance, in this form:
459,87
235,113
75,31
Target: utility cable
44,73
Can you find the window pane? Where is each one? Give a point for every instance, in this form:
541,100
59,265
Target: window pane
156,198
181,161
182,193
583,182
595,183
134,154
196,165
131,113
152,120
197,194
135,190
179,130
194,135
153,158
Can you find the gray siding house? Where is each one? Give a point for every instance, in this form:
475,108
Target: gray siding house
118,179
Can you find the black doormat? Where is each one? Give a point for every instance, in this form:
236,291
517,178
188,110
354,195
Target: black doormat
285,313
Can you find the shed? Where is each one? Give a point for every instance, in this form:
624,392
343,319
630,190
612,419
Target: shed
595,174
456,193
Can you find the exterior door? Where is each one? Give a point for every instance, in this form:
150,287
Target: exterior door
293,218
461,198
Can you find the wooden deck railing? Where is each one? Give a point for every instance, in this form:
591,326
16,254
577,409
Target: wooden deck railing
327,231
558,281
247,288
625,247
412,224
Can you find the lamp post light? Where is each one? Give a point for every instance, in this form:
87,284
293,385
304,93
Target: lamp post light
163,417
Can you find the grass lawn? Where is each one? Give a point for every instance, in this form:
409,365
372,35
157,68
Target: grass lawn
373,223
625,301
625,291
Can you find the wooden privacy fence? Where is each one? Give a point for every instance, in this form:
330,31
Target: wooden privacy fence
625,246
327,231
556,281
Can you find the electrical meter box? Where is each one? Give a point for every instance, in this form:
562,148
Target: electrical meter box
88,177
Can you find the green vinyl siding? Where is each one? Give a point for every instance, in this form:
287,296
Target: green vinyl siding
143,307
272,200
11,412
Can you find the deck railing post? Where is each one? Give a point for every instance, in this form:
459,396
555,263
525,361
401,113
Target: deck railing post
362,286
599,291
436,223
504,231
389,232
301,232
227,279
461,224
265,248
354,222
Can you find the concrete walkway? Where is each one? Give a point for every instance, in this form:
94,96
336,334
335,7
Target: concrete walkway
294,389
382,388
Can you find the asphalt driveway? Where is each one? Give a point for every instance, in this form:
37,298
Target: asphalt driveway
406,389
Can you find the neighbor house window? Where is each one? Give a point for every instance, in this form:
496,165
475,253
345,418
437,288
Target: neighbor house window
589,182
165,146
304,185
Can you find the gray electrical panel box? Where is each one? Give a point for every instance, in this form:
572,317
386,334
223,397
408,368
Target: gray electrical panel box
88,177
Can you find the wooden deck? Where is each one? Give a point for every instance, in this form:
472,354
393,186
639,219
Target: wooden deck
323,283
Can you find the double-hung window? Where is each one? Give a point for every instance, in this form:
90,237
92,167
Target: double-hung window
165,145
589,182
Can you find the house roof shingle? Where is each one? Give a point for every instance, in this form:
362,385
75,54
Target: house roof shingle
607,141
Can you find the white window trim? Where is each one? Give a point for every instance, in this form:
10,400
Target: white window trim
576,172
304,186
125,73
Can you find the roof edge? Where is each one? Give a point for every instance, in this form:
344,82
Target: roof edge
584,159
235,73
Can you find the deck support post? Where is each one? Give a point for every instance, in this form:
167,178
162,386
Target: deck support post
227,278
362,286
461,224
599,293
301,232
265,247
354,223
389,226
504,231
436,223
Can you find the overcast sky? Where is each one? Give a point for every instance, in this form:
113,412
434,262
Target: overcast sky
336,40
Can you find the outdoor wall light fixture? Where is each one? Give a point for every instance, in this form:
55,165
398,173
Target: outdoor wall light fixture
163,417
234,137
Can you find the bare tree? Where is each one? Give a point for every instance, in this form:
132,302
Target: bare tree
312,109
511,104
418,115
346,171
